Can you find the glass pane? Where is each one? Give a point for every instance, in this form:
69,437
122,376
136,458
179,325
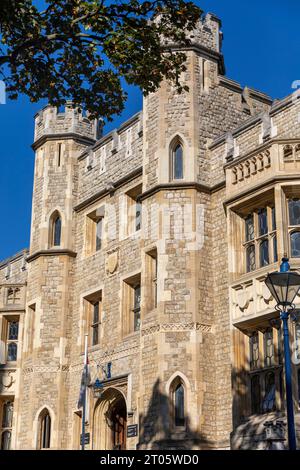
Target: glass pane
264,253
179,405
275,254
13,329
178,162
250,255
269,347
99,234
12,352
96,313
57,231
295,244
254,351
294,211
46,430
137,307
269,398
138,215
95,334
255,394
7,415
249,226
5,440
262,222
273,219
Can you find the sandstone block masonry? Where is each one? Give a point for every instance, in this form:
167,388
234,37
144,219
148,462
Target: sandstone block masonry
137,239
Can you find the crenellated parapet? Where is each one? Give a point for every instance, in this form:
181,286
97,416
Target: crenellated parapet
49,122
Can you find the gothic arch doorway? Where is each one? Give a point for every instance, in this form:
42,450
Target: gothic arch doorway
110,421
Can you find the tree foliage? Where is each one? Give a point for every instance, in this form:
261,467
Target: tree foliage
80,49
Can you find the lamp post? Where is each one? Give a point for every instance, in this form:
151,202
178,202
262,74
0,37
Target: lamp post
284,286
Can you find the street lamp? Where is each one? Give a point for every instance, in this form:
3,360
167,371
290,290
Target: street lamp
284,286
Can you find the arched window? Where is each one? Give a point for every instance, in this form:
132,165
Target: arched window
178,400
177,162
57,231
295,244
44,430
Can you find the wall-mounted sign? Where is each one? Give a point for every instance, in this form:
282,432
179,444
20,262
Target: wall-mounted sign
86,438
132,430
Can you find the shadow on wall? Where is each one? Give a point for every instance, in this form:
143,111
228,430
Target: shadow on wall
249,430
157,427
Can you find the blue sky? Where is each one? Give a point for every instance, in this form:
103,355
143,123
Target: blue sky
261,48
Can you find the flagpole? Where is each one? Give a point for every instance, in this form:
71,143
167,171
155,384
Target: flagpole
84,393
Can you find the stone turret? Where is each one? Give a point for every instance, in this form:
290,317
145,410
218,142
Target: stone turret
49,122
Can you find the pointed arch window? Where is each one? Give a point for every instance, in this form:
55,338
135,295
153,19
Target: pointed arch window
177,162
57,231
178,400
45,430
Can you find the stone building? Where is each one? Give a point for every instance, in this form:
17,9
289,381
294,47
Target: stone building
155,240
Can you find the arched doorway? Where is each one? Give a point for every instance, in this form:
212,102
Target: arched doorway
110,421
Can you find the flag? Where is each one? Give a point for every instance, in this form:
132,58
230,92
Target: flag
85,382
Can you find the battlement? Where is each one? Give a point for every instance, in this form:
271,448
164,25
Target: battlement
49,121
207,34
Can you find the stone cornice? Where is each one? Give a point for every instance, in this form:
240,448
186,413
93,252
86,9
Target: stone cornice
63,136
264,184
260,148
209,53
108,190
202,188
51,252
13,258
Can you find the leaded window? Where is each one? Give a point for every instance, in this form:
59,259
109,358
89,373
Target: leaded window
96,322
12,338
249,226
262,222
138,215
294,211
269,347
137,306
295,244
7,414
250,255
6,424
260,238
5,440
99,230
254,351
269,403
264,253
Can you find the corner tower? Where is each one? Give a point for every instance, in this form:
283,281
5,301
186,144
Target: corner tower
59,138
187,335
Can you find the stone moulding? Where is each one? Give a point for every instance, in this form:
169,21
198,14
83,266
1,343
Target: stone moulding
169,327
